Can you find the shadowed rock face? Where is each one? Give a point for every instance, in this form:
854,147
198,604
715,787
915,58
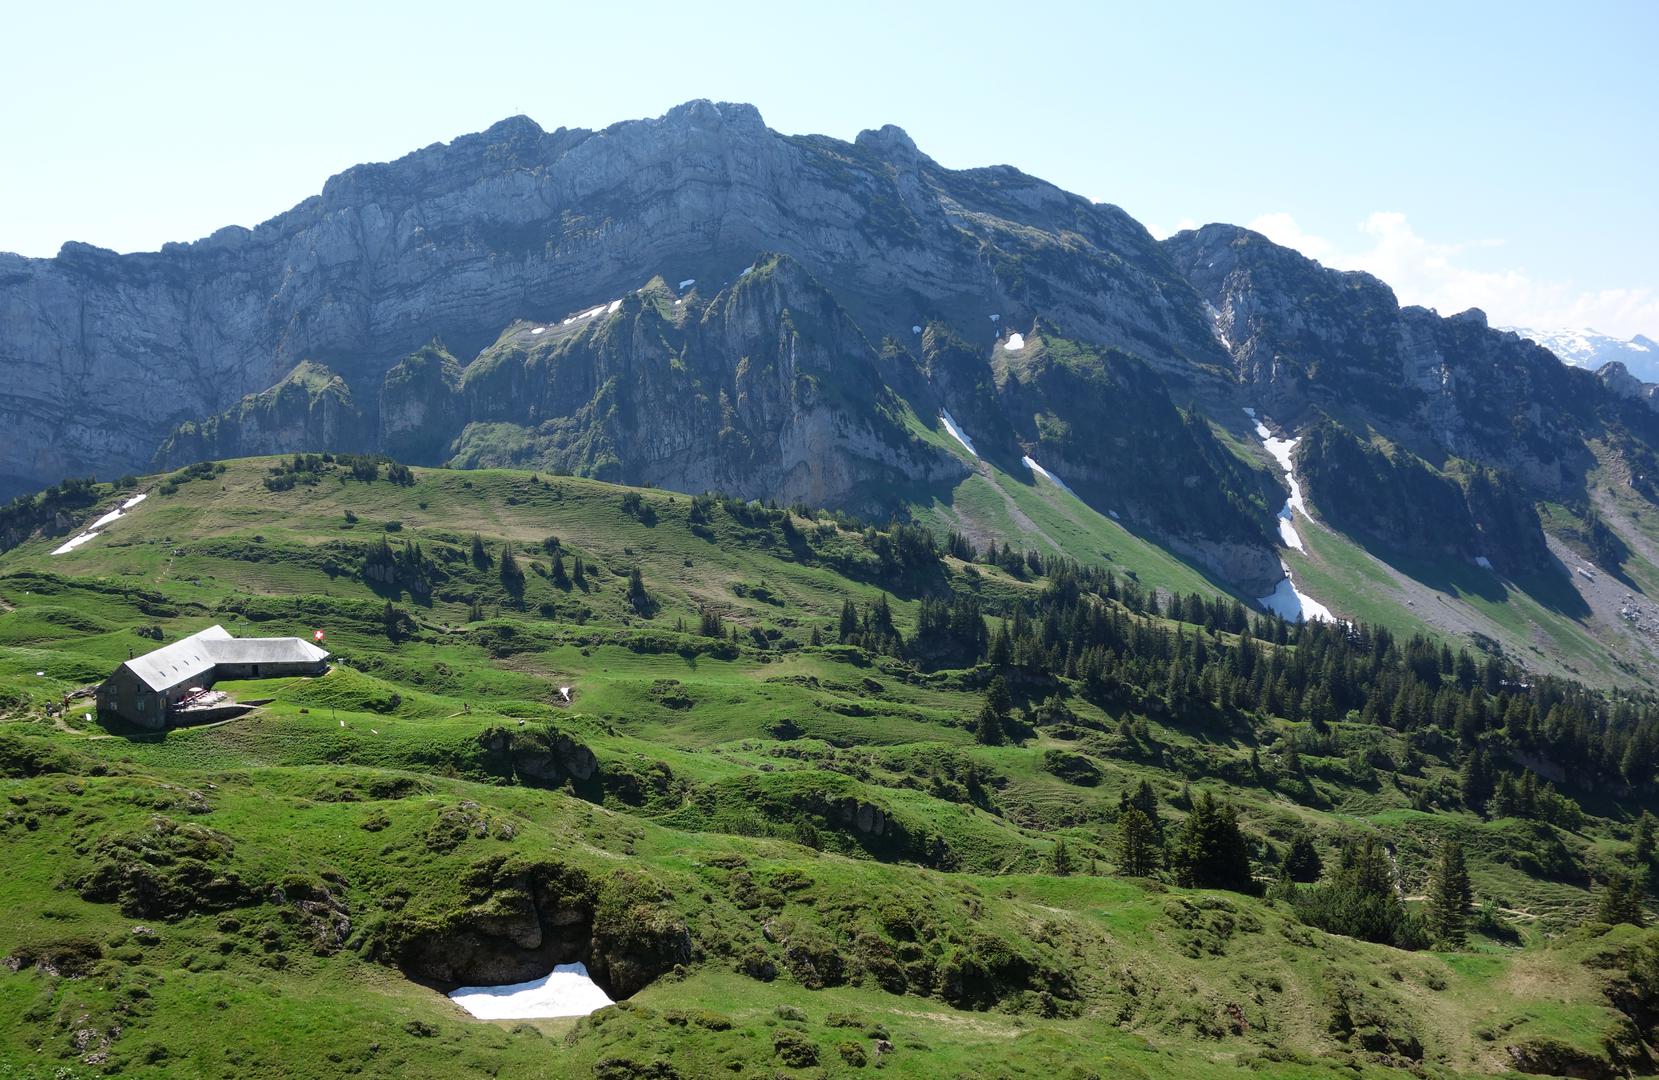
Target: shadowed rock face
1306,339
105,354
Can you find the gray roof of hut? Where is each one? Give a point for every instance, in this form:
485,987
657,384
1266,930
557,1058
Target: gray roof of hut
264,650
186,658
194,657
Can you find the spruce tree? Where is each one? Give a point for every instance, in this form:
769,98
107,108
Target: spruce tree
988,726
1144,799
1302,862
557,573
1642,842
1449,895
1060,858
1210,851
480,557
1621,901
638,598
1002,647
1138,847
512,578
849,622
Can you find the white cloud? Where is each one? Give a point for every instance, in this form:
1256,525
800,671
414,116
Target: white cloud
1438,275
1282,229
1160,233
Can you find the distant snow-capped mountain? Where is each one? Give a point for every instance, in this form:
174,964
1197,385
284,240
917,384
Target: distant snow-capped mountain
1590,349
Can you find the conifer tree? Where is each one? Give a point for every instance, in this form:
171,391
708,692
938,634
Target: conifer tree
849,622
1144,799
1449,895
1210,851
512,578
638,598
1642,842
990,727
1621,901
1138,847
1302,862
1060,858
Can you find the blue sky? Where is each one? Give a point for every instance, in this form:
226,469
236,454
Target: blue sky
1505,155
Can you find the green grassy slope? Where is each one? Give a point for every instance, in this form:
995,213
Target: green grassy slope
235,899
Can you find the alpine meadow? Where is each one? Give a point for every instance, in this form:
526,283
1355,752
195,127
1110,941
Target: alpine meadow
685,600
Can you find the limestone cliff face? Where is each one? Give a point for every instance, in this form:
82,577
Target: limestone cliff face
767,389
105,354
1306,339
310,408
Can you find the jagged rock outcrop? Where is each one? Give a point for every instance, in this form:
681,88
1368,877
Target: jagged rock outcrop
1618,379
310,408
767,389
420,405
1303,337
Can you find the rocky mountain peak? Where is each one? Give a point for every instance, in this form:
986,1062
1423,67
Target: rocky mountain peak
703,113
892,143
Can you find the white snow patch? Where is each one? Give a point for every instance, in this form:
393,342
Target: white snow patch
91,532
538,330
1113,514
610,309
747,270
677,303
1288,536
71,545
996,318
1281,450
916,329
1483,562
1251,413
1015,341
567,990
1220,334
956,432
589,313
1031,464
1291,604
564,692
688,282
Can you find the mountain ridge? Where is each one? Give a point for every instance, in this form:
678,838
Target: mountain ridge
505,299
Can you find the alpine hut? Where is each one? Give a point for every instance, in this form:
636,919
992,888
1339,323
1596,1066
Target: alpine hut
143,690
